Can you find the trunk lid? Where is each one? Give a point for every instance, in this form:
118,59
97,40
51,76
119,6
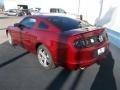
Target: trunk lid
87,30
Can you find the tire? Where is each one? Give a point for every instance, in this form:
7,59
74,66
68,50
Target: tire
45,58
10,40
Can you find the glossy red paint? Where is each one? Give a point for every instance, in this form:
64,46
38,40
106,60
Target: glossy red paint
60,44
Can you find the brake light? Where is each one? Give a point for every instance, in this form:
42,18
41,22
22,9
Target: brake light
90,41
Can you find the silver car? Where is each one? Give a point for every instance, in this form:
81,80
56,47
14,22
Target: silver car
11,12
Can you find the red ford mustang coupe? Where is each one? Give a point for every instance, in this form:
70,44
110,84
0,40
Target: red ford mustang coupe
60,41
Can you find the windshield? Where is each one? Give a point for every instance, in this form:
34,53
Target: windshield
65,23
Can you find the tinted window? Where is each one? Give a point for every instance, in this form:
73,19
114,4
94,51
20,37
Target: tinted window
53,10
12,11
43,25
65,23
61,11
28,22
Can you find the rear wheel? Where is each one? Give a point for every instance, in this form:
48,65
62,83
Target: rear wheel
45,58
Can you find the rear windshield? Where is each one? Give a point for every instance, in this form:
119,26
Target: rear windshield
65,23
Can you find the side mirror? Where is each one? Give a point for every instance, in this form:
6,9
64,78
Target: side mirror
19,25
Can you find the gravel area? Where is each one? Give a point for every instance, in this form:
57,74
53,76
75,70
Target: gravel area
6,21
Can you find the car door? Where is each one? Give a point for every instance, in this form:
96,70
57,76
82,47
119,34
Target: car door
28,33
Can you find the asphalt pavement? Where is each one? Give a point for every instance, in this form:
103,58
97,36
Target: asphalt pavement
20,70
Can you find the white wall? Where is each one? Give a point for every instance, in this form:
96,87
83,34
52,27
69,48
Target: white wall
90,9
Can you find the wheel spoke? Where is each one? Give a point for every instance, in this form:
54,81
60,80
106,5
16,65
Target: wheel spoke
43,58
42,53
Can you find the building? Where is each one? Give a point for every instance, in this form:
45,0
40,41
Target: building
97,12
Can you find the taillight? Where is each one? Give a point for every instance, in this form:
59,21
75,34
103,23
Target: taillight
79,43
90,41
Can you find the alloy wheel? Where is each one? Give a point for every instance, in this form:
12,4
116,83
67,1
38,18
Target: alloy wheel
43,58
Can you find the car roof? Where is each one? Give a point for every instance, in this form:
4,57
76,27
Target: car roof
51,16
48,15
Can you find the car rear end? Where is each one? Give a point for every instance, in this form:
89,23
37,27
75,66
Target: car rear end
81,44
87,48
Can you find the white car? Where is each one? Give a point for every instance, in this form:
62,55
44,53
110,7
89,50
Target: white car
35,12
11,12
52,11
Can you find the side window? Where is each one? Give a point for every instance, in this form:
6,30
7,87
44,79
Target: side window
61,11
42,25
54,10
28,22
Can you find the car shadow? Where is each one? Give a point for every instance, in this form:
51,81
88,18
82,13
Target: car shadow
59,81
5,46
76,81
13,59
61,78
104,79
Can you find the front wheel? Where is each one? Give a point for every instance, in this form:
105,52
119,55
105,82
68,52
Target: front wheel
45,58
10,40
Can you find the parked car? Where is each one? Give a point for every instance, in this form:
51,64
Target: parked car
60,41
52,11
11,12
24,12
35,12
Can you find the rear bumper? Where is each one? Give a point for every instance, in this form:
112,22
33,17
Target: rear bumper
85,58
85,64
